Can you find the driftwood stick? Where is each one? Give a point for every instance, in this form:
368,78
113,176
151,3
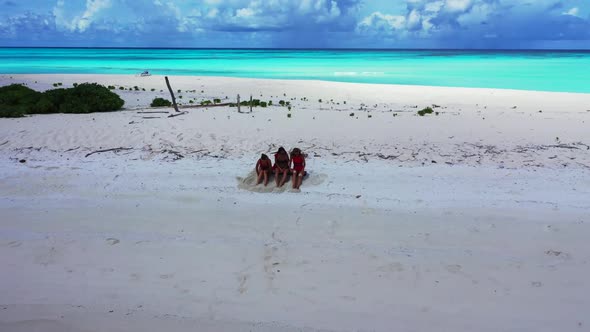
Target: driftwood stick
4,143
382,156
197,151
107,150
250,103
153,112
151,117
204,106
171,94
178,114
177,155
239,109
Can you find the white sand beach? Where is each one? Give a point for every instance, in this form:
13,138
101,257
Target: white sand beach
473,219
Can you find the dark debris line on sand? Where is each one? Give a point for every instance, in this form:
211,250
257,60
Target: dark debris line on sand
108,150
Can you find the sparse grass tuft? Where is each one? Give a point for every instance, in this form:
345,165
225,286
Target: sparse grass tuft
427,110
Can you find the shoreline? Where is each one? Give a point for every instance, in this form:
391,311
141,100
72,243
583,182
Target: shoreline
115,77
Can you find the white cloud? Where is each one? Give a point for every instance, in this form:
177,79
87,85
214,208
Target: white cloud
414,20
245,12
572,12
378,23
82,21
457,5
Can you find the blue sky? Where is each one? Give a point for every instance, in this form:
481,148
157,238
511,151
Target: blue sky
299,24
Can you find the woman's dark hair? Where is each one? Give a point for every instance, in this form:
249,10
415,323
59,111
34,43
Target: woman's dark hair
281,150
296,151
263,157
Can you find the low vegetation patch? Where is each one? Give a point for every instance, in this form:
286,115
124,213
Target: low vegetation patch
161,102
427,110
18,100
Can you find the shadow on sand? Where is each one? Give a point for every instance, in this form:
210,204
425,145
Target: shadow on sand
249,183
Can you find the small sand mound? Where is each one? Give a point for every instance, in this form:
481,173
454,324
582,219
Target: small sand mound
249,183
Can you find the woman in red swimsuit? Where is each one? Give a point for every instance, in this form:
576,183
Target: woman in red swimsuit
298,161
263,167
281,166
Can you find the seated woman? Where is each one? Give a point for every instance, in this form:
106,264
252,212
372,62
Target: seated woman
281,166
298,161
263,167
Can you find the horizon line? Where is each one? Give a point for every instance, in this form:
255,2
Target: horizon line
302,49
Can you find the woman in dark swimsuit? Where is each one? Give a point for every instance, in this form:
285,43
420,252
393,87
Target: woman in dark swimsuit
281,166
263,167
298,161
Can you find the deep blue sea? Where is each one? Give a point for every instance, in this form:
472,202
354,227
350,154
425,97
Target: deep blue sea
567,71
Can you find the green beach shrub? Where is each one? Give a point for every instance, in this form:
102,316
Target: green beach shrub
44,106
17,94
161,102
217,101
89,98
18,100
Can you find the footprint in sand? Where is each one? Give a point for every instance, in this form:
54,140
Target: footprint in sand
112,241
14,244
270,265
392,267
243,280
454,268
167,276
559,254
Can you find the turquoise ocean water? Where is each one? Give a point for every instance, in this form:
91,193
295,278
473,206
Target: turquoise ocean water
567,71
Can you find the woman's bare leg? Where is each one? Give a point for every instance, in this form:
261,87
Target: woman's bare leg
259,180
299,179
294,179
284,179
265,178
277,177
